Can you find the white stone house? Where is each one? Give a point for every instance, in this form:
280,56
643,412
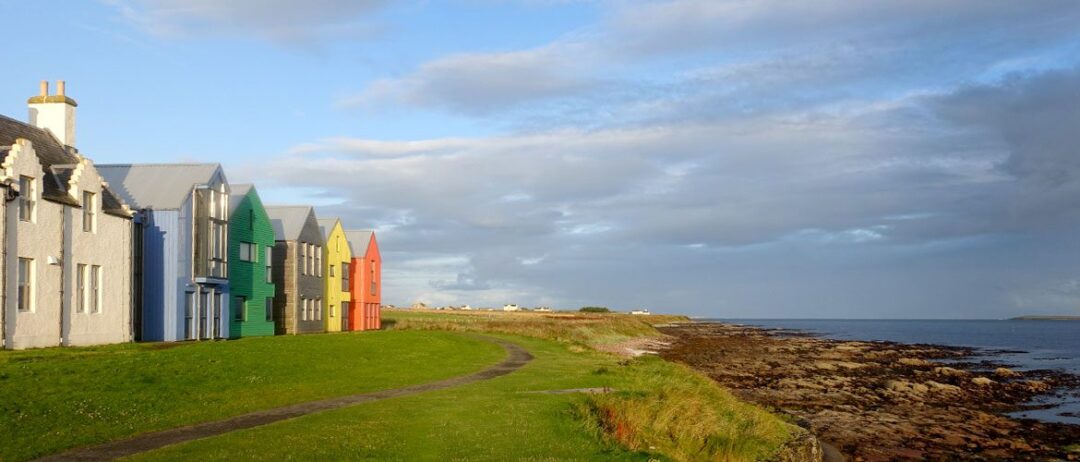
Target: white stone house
65,236
511,307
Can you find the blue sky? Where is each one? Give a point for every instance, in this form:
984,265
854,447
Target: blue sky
711,157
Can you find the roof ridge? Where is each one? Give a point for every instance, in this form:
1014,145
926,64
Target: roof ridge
160,164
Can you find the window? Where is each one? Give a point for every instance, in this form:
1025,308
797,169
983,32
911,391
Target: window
331,271
311,259
332,312
318,260
27,198
344,277
80,288
373,287
89,212
303,258
95,289
303,309
269,309
240,311
26,284
267,257
317,307
248,252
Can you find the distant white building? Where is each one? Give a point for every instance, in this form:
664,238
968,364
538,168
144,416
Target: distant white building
640,312
466,308
511,307
543,309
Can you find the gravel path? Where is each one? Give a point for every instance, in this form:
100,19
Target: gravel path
517,357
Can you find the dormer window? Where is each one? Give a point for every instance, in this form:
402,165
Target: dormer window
27,198
89,216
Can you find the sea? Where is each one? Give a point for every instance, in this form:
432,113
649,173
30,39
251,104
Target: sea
1021,344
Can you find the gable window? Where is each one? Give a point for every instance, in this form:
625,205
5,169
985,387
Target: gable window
95,289
267,257
373,286
344,277
248,252
80,288
27,198
89,212
26,284
303,258
240,312
269,309
318,260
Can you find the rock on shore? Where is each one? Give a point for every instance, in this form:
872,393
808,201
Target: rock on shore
878,401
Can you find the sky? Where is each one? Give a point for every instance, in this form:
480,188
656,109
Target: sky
718,158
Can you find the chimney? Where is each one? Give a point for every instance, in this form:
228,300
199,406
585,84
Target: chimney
55,113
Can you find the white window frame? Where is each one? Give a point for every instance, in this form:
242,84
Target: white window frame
96,283
25,290
89,212
27,199
80,288
269,264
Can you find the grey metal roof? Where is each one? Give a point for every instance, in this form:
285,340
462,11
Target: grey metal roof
358,241
288,220
236,192
326,225
57,161
157,186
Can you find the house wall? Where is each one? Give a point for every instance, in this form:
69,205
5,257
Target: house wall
248,279
336,253
292,286
372,300
112,323
309,286
366,312
38,240
164,273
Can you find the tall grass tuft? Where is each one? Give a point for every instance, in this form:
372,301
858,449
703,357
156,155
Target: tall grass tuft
671,410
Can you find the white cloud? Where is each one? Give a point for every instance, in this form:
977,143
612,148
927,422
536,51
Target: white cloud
287,21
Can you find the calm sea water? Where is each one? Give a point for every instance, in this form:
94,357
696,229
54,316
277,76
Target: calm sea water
1032,345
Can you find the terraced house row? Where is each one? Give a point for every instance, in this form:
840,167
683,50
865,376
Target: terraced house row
96,254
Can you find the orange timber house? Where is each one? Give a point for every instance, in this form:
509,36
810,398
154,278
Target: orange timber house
365,274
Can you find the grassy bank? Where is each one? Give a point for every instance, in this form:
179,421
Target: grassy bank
574,328
522,416
58,398
657,406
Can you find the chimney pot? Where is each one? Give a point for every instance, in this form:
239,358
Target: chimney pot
60,87
44,88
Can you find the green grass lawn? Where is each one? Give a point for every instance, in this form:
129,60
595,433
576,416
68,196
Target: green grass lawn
58,398
504,419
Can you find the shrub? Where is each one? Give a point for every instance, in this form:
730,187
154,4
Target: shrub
594,309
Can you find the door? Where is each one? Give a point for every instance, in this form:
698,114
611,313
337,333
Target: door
217,315
344,316
204,307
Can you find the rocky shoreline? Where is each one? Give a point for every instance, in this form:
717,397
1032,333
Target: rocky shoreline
878,401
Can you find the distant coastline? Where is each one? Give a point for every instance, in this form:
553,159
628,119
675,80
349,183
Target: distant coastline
1045,318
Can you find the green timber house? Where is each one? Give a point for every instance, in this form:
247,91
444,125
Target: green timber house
251,244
